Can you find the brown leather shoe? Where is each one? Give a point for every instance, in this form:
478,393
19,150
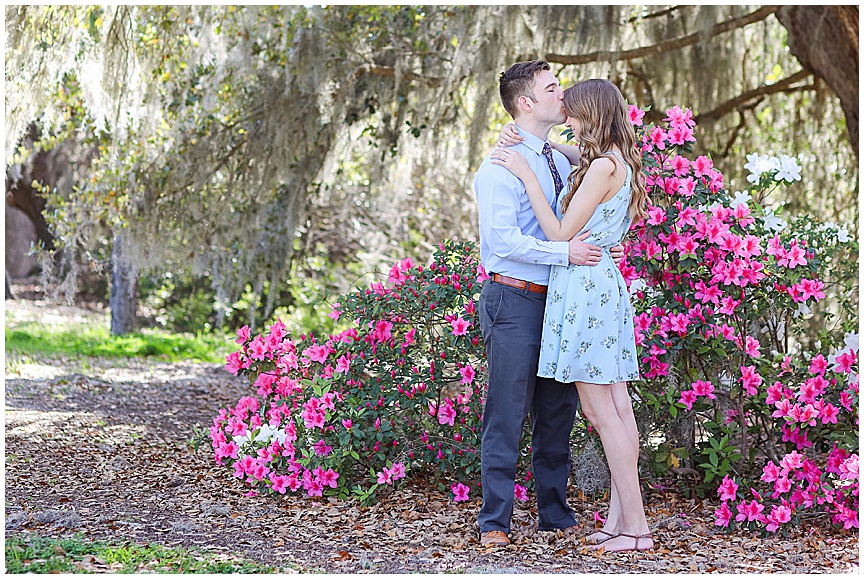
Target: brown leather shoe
494,538
572,531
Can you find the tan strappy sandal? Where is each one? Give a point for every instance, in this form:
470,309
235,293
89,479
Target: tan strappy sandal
636,542
598,541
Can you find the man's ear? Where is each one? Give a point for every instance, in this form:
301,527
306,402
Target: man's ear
525,104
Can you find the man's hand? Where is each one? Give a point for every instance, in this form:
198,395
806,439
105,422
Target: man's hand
617,254
582,253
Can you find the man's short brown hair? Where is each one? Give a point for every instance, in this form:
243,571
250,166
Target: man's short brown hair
517,81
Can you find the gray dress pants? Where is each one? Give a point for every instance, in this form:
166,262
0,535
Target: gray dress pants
512,325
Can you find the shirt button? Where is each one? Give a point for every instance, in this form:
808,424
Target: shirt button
535,261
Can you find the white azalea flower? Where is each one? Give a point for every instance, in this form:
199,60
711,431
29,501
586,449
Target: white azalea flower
843,235
802,310
773,222
636,285
789,169
264,434
851,340
242,439
740,197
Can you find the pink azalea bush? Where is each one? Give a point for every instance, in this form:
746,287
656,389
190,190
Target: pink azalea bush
351,413
721,287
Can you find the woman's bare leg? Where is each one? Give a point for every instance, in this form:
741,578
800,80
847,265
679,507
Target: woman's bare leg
622,455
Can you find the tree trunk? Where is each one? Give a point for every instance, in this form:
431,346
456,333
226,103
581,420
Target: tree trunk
825,40
124,291
9,294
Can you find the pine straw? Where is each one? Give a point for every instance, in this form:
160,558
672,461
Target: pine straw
101,448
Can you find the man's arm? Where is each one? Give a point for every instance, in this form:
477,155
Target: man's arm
498,195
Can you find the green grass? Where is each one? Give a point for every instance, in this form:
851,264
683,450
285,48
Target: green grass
33,554
86,340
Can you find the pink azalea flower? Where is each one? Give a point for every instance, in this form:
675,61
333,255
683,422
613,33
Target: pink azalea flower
770,472
317,353
258,348
750,380
397,470
845,362
278,483
681,135
460,326
751,511
598,518
780,514
792,461
678,117
321,448
520,492
467,373
818,365
335,312
656,215
658,138
447,413
243,335
828,413
701,165
460,492
385,477
727,490
703,388
688,397
234,363
681,166
723,516
847,517
329,478
849,468
635,115
781,485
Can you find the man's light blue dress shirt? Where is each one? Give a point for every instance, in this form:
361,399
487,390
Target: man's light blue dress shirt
511,240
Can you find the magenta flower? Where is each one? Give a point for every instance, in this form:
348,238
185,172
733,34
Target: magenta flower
635,115
678,117
520,492
385,477
278,483
460,326
467,373
723,515
750,379
243,335
688,397
329,478
727,490
751,511
780,514
460,492
321,448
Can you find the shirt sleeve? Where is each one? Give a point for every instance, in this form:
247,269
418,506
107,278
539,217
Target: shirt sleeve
498,197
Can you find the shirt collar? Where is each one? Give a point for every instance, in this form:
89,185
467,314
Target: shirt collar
531,141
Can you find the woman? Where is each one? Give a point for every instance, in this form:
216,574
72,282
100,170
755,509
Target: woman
588,334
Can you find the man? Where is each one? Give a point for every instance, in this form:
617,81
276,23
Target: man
518,257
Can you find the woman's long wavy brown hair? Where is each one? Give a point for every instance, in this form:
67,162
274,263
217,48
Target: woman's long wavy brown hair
601,109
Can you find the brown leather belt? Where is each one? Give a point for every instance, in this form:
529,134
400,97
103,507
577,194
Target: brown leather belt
518,283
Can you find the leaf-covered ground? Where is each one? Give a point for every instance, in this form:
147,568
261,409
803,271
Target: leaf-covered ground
100,447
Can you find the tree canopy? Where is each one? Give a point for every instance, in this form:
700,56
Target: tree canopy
228,140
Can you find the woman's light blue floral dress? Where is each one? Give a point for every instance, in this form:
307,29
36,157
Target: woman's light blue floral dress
588,325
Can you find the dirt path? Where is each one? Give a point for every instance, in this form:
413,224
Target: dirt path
101,447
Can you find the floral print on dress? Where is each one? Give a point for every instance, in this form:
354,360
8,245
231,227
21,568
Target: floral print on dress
588,328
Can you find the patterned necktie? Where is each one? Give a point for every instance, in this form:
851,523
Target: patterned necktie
559,185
